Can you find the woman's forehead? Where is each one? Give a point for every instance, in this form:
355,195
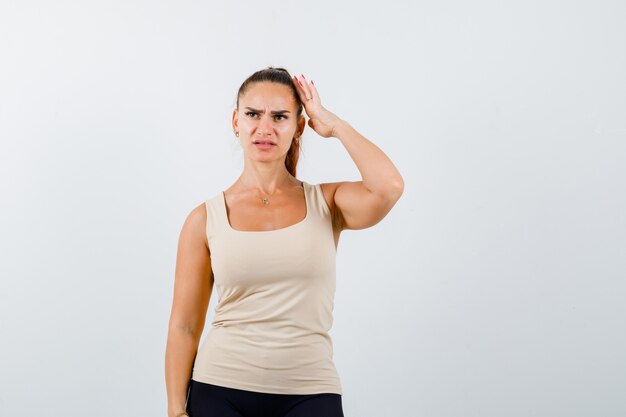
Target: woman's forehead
268,94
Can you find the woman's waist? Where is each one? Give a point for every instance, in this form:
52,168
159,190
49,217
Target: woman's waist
271,336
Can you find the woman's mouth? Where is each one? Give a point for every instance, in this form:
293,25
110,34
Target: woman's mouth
264,144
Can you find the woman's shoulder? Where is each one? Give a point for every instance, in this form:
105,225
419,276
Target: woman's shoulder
329,189
193,229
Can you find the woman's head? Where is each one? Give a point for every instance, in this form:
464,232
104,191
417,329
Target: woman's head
269,108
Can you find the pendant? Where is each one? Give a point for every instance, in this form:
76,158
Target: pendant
265,201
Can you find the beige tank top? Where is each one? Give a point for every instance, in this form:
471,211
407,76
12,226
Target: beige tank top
276,296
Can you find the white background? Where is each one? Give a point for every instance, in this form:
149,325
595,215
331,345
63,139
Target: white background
495,287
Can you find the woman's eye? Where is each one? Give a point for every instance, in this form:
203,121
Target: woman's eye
254,114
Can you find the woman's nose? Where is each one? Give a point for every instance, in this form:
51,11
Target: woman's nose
265,125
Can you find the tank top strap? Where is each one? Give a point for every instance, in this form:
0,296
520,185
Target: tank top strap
316,200
215,216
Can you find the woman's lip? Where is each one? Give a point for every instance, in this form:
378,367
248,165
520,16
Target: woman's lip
264,145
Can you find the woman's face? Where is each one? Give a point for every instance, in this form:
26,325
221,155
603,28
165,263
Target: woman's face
266,121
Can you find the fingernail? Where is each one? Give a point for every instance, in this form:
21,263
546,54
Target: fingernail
303,76
312,82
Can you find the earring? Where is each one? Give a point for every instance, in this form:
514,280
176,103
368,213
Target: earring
236,133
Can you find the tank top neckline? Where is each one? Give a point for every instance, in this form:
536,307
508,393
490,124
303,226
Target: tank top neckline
305,187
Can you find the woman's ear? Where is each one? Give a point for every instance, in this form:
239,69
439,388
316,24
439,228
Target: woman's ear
301,125
235,119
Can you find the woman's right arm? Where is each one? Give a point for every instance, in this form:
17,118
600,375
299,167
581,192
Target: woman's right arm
193,284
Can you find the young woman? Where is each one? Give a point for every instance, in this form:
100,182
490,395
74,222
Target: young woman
268,243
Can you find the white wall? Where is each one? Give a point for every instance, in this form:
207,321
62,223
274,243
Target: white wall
495,287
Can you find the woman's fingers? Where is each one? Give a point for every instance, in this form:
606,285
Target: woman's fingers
304,87
314,91
299,87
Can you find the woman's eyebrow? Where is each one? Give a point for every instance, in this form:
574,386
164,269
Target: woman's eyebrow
273,112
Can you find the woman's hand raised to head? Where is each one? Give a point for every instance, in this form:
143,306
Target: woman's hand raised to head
321,120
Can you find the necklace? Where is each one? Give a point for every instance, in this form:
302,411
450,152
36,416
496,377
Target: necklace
265,200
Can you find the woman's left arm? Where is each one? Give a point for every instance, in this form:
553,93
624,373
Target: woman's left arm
358,204
364,203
